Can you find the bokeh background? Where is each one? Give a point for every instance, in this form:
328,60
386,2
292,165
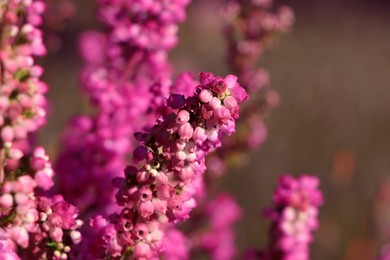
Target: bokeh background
333,76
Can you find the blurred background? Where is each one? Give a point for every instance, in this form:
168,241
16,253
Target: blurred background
333,76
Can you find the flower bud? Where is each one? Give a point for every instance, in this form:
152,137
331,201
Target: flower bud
176,101
75,236
140,153
199,135
7,134
205,96
146,209
186,174
182,117
141,250
219,86
185,131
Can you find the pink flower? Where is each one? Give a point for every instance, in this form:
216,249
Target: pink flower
185,131
19,235
145,209
176,245
141,250
7,251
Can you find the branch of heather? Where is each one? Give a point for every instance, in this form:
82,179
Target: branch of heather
22,102
32,226
126,77
159,187
294,217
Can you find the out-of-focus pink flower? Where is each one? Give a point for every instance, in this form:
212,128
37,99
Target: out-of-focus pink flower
294,217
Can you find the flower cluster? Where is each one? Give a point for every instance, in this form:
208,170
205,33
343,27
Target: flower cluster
20,220
22,104
93,155
177,245
132,55
159,187
127,78
145,24
294,218
32,221
58,226
32,225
